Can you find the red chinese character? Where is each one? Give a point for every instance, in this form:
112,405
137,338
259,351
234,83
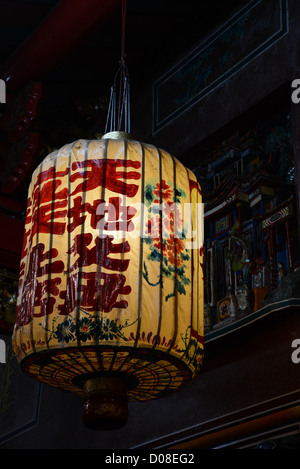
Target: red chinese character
26,232
50,173
107,172
93,209
94,295
98,253
76,213
38,286
194,185
112,287
43,218
48,202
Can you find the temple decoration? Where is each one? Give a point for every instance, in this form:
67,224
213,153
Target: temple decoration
251,243
22,144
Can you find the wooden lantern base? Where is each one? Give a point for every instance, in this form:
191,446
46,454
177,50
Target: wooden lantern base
104,403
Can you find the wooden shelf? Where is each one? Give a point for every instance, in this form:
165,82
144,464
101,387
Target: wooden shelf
250,319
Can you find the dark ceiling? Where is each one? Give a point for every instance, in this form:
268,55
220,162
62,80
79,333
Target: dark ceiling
76,86
158,32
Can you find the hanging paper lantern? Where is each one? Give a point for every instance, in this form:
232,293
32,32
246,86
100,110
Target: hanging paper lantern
110,301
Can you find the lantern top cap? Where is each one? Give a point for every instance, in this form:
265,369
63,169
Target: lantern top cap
117,134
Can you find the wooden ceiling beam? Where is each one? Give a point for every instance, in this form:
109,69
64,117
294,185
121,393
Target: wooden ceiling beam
68,24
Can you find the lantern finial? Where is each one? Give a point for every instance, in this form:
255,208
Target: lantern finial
118,135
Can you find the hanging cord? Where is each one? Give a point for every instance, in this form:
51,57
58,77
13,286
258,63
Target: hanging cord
124,10
115,119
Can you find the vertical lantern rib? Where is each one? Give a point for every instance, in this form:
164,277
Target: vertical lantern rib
69,247
192,266
18,323
141,248
161,251
198,250
99,256
198,260
175,256
198,254
197,273
82,234
69,239
69,261
36,258
81,249
50,248
124,202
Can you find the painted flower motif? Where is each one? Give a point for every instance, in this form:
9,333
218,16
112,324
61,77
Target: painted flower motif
165,238
153,228
175,248
193,351
160,245
87,328
108,330
162,191
65,331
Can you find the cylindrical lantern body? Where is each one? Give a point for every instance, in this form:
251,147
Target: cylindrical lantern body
111,279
